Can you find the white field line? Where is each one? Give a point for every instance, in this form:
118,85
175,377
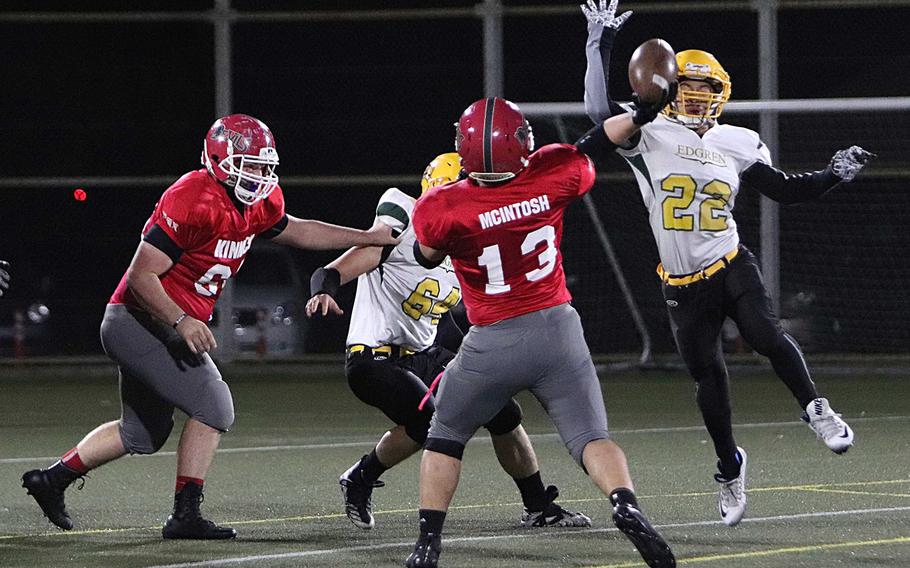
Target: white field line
481,439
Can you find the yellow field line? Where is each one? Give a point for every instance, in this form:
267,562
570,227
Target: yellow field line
848,492
815,487
772,552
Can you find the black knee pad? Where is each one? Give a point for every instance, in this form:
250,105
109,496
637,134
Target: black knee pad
216,406
145,437
506,420
450,448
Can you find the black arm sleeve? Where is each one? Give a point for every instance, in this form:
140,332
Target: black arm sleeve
422,260
163,242
785,188
595,143
325,281
276,229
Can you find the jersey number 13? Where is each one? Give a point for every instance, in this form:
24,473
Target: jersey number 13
492,260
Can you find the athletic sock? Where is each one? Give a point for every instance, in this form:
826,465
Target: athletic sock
73,462
730,468
533,494
431,521
371,468
182,480
623,496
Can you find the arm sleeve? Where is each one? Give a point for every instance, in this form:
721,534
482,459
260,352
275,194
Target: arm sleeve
598,105
277,228
158,238
788,188
595,143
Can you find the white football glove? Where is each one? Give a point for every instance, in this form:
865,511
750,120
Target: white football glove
605,15
4,276
847,163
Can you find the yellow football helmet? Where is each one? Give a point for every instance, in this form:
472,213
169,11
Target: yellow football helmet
698,65
445,168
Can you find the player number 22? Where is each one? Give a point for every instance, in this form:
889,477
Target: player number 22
712,214
492,260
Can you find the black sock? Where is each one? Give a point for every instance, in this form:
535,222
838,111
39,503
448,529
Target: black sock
729,469
61,475
431,521
621,495
533,494
371,468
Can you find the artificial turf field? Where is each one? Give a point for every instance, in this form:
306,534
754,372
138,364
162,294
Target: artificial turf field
298,427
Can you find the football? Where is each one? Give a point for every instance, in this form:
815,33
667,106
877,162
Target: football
652,68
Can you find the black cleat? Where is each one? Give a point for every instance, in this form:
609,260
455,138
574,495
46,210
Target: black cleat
48,492
187,522
358,495
553,514
426,551
653,548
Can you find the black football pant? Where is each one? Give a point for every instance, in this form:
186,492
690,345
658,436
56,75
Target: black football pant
697,312
396,386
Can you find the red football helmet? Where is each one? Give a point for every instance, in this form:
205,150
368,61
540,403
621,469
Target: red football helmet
239,151
493,139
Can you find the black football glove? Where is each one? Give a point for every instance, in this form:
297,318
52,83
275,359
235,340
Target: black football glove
847,163
643,113
4,276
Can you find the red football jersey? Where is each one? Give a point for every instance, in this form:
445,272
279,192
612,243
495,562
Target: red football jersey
504,240
199,216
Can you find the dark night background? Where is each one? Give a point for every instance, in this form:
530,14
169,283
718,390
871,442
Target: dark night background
379,97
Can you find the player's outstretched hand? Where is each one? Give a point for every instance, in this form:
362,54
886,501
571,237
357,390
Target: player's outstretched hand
381,234
197,335
644,112
847,163
322,304
4,276
601,14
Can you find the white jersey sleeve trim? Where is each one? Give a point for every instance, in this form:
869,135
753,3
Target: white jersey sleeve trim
395,208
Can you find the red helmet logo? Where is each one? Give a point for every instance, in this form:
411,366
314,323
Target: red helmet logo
493,139
239,151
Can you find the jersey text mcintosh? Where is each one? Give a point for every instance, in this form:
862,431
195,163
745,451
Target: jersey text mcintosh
513,212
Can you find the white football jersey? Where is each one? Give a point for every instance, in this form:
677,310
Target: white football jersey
689,185
401,302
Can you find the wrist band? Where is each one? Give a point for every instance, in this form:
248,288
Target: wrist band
179,319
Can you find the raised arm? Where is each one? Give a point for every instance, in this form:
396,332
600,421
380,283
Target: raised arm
603,25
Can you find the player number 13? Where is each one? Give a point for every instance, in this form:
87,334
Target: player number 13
492,260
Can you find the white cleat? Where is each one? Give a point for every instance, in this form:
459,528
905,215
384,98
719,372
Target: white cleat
829,426
731,498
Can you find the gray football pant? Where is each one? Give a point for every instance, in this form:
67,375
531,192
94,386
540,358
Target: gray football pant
158,372
543,352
